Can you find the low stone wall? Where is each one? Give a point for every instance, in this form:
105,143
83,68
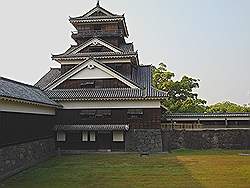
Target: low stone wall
143,140
206,139
16,158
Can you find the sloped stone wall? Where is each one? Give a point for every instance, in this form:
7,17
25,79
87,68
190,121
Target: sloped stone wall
16,158
143,140
206,139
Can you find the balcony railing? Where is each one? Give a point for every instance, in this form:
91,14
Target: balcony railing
97,33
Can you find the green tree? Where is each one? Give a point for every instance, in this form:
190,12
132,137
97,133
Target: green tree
181,97
227,107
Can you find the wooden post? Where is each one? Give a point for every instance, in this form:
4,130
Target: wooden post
226,122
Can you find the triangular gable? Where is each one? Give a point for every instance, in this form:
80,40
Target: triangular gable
80,70
89,73
96,42
97,10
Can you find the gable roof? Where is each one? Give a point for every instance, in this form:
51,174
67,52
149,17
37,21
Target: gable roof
123,50
49,77
142,76
127,47
95,41
16,91
94,63
97,8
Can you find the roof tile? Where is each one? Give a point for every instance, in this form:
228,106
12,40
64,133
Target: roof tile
16,90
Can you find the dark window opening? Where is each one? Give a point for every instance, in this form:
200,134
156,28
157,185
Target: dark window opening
87,114
92,114
97,27
89,84
135,113
103,114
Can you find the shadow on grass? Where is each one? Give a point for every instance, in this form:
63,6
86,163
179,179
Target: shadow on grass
118,171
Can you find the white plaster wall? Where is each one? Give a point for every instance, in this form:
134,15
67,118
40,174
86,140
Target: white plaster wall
9,106
94,73
109,104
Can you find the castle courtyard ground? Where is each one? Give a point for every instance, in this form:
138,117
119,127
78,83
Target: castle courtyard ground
182,168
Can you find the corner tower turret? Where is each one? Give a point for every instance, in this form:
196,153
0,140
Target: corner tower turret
99,22
101,35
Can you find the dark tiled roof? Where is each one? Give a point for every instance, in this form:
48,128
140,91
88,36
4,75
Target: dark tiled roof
197,115
91,127
49,77
204,116
103,94
71,49
97,55
15,90
95,94
153,92
141,76
100,8
96,18
107,67
129,47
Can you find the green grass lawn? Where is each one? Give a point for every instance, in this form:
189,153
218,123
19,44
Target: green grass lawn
183,168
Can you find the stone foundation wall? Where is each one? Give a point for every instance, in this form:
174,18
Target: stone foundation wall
206,139
143,140
16,158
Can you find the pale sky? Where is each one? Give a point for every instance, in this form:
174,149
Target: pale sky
205,39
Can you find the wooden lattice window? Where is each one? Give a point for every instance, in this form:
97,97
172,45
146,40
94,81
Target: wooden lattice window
135,113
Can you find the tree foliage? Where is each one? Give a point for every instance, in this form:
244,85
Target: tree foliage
181,97
227,107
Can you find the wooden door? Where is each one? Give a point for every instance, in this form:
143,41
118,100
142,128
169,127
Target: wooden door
104,140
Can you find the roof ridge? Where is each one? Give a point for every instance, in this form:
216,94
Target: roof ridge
92,89
96,7
17,82
76,47
83,55
102,40
97,17
208,113
145,65
128,43
51,68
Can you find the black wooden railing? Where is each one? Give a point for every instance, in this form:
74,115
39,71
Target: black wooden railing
97,33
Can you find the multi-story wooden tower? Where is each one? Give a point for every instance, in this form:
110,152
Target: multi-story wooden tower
104,91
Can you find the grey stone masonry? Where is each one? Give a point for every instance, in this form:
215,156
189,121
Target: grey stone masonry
16,158
143,140
206,139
